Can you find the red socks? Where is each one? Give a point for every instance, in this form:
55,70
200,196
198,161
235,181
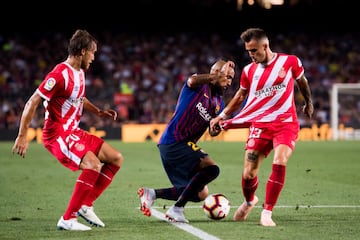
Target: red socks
249,187
84,184
106,176
274,186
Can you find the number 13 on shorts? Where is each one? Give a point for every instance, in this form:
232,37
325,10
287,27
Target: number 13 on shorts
255,132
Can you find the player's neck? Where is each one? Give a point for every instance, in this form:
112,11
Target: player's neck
270,58
74,62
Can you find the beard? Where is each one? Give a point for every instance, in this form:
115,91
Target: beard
217,90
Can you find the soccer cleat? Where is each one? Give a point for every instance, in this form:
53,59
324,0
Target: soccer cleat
176,214
89,215
72,225
147,197
266,220
243,211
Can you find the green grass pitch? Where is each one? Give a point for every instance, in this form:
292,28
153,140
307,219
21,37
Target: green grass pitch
320,199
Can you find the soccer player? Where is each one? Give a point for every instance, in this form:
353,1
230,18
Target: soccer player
63,94
188,167
267,85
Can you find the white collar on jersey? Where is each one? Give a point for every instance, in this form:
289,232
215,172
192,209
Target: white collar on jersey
271,60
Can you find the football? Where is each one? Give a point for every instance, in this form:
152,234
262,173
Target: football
216,206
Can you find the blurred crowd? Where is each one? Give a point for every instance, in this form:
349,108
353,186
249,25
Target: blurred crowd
141,74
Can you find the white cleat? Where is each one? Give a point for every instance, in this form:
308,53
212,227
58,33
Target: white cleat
147,197
71,225
89,215
176,214
266,220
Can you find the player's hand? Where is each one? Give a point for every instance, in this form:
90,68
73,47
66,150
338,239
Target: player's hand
228,68
20,146
214,131
108,113
215,124
308,109
227,74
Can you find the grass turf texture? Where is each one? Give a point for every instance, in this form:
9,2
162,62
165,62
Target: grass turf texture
320,199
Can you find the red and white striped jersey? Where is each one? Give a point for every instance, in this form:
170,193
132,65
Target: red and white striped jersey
271,92
63,90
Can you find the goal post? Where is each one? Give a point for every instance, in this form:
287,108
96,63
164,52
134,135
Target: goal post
345,111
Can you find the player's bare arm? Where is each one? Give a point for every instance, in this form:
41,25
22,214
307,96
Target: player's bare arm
21,144
236,101
220,73
196,80
304,88
89,106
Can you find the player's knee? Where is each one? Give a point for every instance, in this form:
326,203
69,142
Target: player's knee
90,161
118,159
281,160
213,171
247,175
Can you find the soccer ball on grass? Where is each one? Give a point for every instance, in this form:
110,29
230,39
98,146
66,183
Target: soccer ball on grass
216,206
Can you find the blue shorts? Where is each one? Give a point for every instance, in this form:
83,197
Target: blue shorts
180,161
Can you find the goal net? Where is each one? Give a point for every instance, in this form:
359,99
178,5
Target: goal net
345,111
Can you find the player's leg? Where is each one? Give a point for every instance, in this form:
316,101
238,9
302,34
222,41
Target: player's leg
111,162
285,136
249,183
195,189
275,183
202,171
147,196
84,185
257,148
71,150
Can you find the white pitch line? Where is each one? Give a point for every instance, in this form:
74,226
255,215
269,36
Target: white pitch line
184,226
288,206
206,236
321,206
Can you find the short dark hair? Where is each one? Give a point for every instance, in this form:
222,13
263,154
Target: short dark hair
253,33
80,40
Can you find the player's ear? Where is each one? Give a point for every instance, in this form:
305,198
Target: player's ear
265,46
